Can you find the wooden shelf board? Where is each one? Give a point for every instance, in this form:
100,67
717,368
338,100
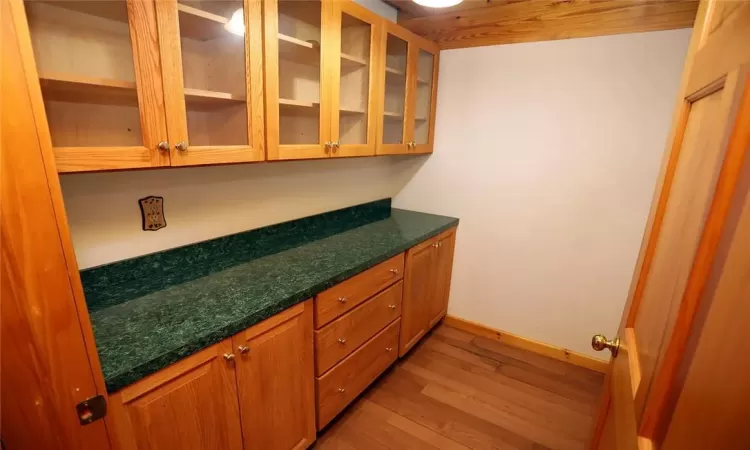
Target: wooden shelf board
116,11
201,25
85,89
298,50
423,81
203,99
352,62
352,111
392,115
396,72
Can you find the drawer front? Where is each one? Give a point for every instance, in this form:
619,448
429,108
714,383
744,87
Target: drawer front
343,297
344,335
350,377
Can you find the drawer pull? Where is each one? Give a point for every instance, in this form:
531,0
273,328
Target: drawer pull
342,299
229,356
394,271
389,349
342,390
342,341
244,350
392,306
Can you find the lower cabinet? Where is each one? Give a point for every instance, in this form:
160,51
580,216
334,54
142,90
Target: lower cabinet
263,375
427,275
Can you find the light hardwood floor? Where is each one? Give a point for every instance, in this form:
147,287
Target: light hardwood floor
456,390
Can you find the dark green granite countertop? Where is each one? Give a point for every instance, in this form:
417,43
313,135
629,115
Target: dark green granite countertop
142,335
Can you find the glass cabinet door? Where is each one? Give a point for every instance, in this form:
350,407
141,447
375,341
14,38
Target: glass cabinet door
393,132
297,109
103,107
424,99
353,123
212,80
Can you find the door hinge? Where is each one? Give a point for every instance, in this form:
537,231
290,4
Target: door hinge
92,409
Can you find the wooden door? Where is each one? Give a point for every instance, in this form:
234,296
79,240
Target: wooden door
48,362
394,91
99,69
276,381
419,292
422,80
212,61
191,404
298,52
702,166
354,75
443,270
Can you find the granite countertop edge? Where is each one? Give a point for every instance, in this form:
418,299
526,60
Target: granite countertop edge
118,381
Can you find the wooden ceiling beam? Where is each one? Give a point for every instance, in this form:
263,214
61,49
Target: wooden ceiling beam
537,20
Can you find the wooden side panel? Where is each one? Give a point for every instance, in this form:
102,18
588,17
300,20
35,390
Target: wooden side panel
419,288
276,381
44,365
191,404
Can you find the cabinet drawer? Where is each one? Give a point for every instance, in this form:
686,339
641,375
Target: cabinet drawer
350,377
345,334
343,297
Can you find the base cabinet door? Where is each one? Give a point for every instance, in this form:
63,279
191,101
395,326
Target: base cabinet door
275,377
438,303
190,405
419,288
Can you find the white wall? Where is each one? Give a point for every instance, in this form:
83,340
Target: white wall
549,153
206,202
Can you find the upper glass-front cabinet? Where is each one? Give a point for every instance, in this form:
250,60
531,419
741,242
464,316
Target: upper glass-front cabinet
103,113
353,66
296,108
408,93
212,69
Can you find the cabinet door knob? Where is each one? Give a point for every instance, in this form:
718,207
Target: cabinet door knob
392,306
335,145
328,145
342,341
394,271
243,349
436,245
229,356
163,146
342,299
342,390
181,146
389,349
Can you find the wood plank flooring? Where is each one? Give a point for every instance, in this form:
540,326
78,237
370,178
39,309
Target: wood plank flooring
457,390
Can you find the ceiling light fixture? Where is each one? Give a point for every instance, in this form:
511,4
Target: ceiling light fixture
437,3
236,24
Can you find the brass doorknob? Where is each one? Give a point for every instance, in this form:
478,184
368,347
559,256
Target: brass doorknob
181,146
599,342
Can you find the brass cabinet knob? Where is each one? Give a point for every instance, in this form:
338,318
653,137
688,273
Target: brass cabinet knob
392,306
394,271
342,390
328,145
599,342
335,146
342,341
436,244
181,146
243,349
229,356
342,299
389,349
163,146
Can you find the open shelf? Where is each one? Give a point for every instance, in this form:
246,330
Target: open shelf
201,25
84,89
